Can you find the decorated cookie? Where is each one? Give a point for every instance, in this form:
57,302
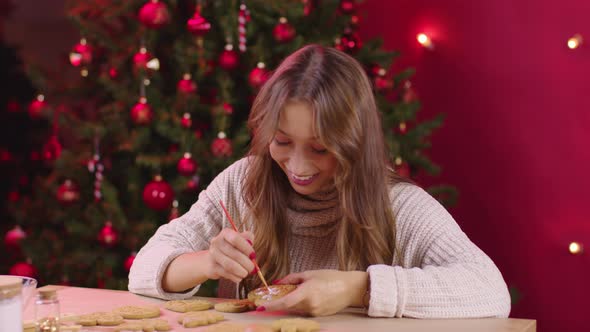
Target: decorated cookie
235,306
188,305
194,319
262,295
138,312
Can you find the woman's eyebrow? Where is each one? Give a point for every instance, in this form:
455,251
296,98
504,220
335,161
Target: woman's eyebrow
285,133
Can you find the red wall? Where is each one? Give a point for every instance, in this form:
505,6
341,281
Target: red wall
515,138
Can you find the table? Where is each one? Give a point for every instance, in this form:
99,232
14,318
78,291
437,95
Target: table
76,300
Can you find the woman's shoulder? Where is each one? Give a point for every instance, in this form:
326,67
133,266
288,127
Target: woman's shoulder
408,194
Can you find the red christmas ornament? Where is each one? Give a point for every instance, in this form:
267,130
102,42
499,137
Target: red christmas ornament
383,83
141,113
402,128
350,42
23,269
198,25
186,121
228,109
141,58
52,149
113,73
355,22
154,14
229,59
258,76
108,236
174,212
14,236
158,194
68,192
186,86
408,95
81,54
347,6
221,146
187,166
401,167
283,32
308,6
37,107
129,261
193,184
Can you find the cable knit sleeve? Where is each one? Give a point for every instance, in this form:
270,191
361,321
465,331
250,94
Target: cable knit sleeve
441,273
188,233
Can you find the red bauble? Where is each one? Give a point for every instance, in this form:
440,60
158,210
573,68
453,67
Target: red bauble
154,14
350,42
108,236
14,236
52,149
174,213
186,121
141,58
198,25
193,184
186,86
68,192
113,73
409,95
129,261
23,269
258,76
158,194
36,107
383,83
308,6
347,6
228,109
402,168
187,166
283,32
402,128
221,147
81,54
141,113
228,59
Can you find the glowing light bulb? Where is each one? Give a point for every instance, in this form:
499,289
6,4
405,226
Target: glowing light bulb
425,41
575,41
84,72
576,248
153,64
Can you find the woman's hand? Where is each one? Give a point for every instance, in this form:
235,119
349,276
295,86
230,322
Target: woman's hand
230,255
322,292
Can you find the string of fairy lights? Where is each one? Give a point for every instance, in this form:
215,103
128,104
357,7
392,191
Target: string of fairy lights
574,42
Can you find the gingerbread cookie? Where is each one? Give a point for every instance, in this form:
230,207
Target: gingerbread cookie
235,306
262,295
100,318
138,312
129,327
194,319
145,325
295,325
237,327
188,305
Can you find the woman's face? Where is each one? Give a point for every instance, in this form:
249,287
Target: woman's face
296,149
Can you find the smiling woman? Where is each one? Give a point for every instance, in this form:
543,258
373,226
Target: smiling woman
321,209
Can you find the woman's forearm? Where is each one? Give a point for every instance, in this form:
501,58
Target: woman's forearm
186,271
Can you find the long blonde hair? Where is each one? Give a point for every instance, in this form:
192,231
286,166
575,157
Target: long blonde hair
348,123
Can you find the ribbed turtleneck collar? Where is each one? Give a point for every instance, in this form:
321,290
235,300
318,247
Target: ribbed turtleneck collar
314,215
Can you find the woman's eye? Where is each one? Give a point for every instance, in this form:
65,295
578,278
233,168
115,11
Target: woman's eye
281,142
320,151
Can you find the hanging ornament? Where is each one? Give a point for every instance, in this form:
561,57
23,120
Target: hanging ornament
228,59
186,121
401,167
192,184
68,192
81,54
95,166
402,128
221,146
13,237
354,22
23,269
347,6
198,25
108,236
37,107
51,149
174,212
283,32
141,113
258,76
382,82
242,19
308,6
350,42
113,73
158,194
187,166
129,261
408,93
154,14
186,86
144,60
227,108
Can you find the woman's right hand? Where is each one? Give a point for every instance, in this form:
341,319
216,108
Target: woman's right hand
231,255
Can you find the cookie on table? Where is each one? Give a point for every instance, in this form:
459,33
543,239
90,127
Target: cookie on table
100,318
238,327
199,318
262,295
295,325
188,305
235,306
129,327
138,312
150,325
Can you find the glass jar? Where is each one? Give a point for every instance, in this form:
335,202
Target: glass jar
11,304
47,310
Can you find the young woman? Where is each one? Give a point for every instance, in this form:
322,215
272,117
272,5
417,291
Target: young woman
319,207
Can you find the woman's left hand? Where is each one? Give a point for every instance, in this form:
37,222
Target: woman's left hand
321,292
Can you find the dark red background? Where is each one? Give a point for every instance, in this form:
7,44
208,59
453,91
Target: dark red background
515,138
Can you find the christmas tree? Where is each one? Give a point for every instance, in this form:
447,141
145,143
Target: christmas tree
159,109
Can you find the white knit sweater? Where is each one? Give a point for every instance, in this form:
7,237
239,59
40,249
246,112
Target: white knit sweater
441,273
